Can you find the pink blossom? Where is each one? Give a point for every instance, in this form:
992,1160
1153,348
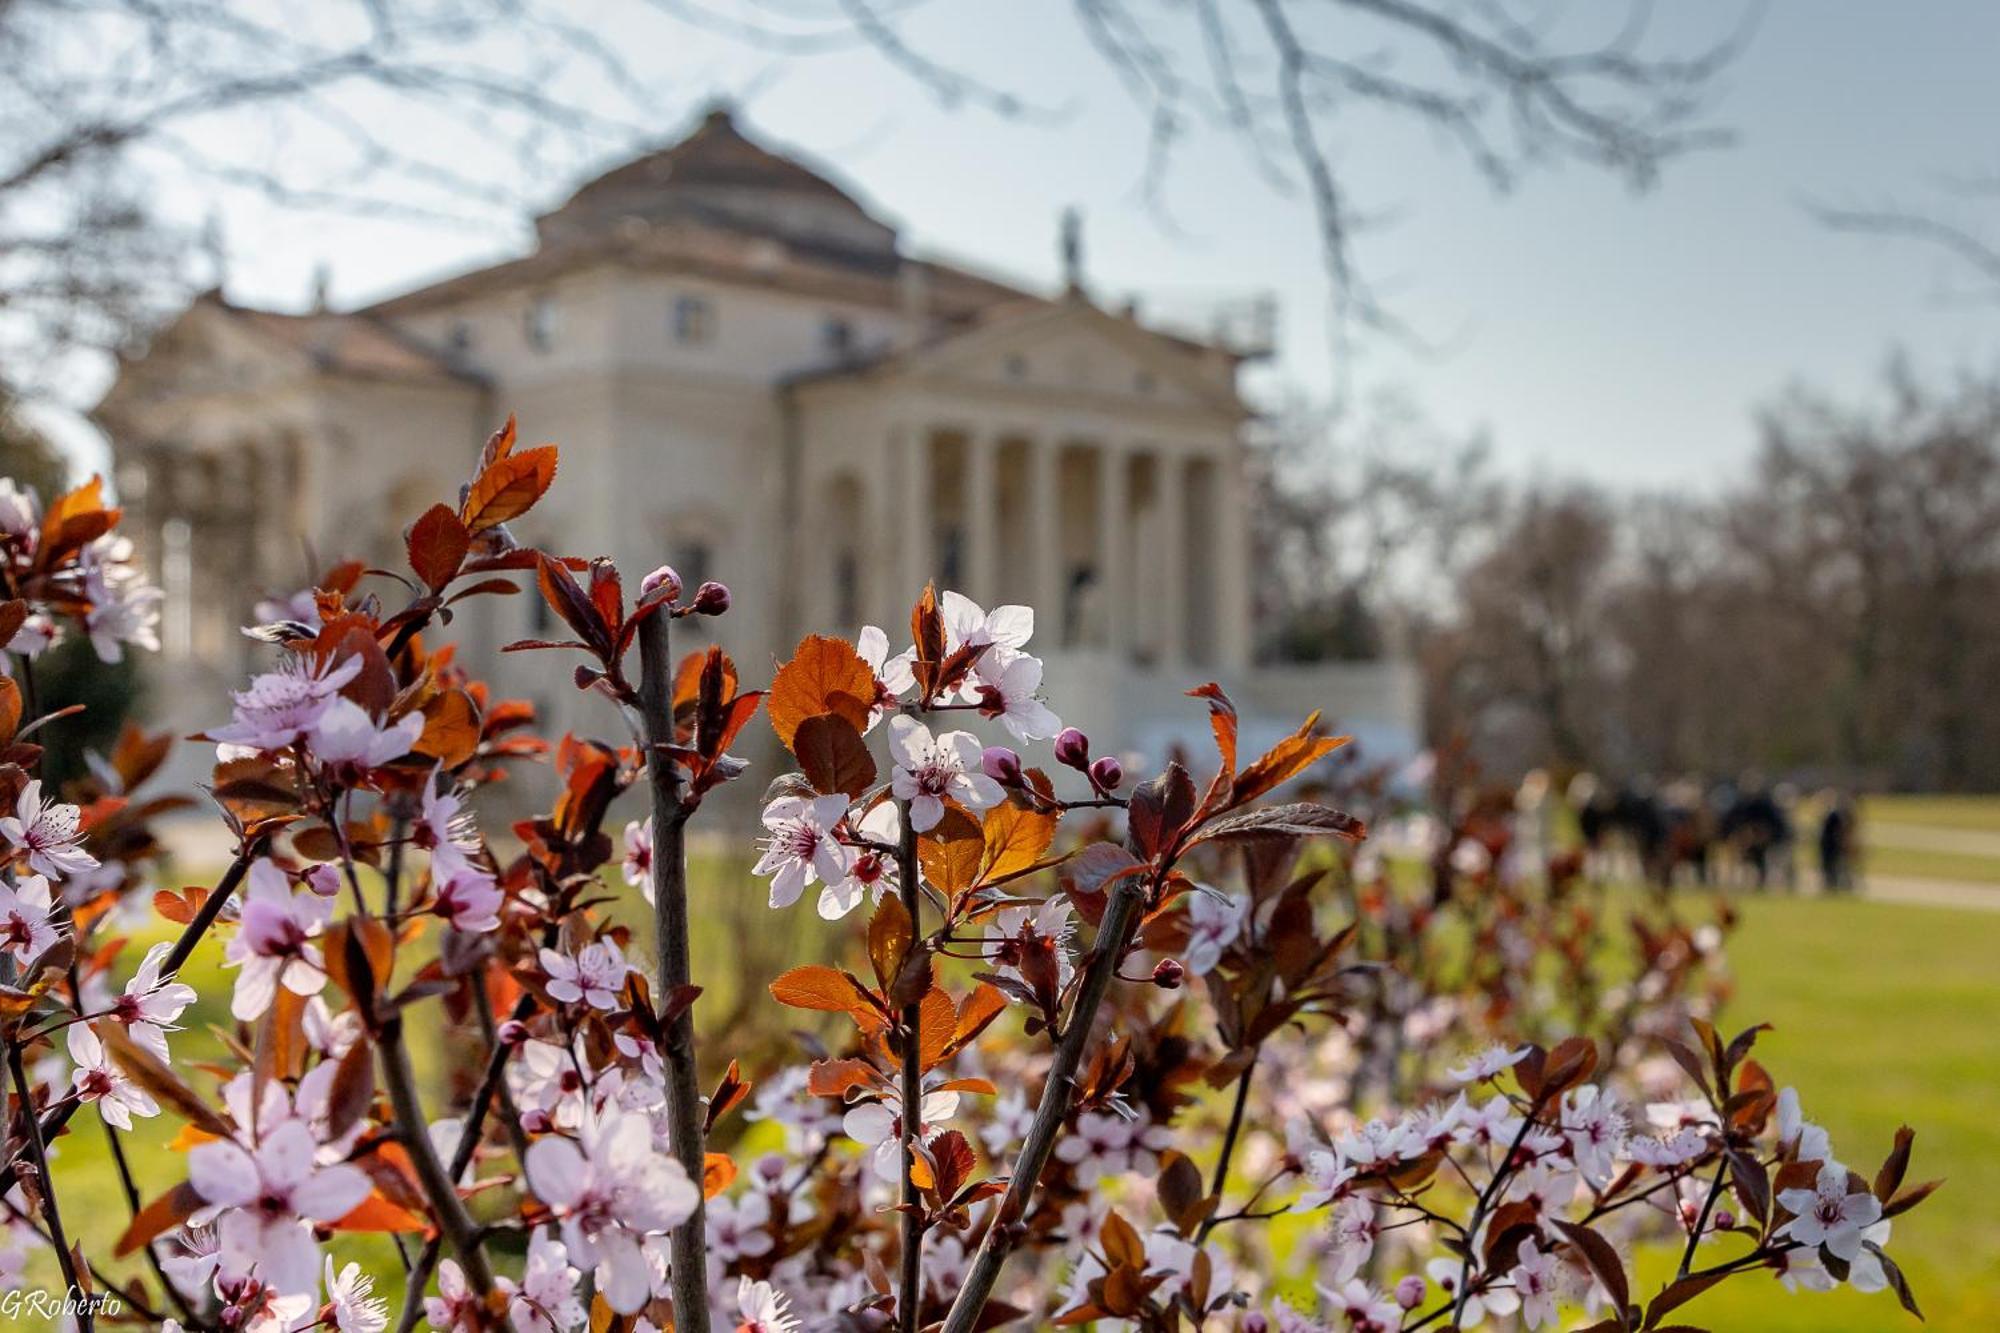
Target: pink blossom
347,738
273,1193
273,946
48,833
280,707
801,847
929,771
611,1188
25,929
593,977
98,1080
151,1004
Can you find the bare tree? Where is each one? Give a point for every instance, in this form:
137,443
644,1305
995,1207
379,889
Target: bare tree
458,110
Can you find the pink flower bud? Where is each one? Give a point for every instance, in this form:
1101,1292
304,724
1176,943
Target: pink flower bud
1255,1322
324,880
1169,974
1724,1219
1073,748
771,1166
1002,765
511,1033
1410,1292
1106,773
661,579
711,599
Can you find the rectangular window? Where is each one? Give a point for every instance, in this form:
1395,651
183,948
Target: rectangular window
693,321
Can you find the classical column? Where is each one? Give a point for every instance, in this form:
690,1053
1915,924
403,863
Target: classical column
1170,493
919,515
1232,563
981,500
1114,542
1051,598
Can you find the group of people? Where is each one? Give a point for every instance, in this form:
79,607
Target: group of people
1744,832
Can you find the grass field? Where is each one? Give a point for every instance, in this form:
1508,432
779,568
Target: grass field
1883,1014
1979,814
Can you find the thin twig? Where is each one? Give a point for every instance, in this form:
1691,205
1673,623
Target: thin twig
86,1319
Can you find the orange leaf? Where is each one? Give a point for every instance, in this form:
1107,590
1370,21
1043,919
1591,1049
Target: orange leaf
508,488
952,852
437,545
1285,760
717,1174
835,1078
377,1213
161,1215
823,988
1014,838
451,729
824,676
937,1017
179,908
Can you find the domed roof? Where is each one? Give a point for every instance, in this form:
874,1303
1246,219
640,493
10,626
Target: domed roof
718,177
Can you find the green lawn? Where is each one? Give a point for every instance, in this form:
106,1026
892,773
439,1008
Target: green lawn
1977,813
1930,863
1883,1014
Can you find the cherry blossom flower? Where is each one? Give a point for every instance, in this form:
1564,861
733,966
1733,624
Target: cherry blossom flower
456,1306
1327,1176
1595,1127
545,1300
25,929
1362,1308
879,1125
639,856
801,848
894,676
99,1080
347,738
764,1309
444,826
1006,685
1536,1284
966,625
1499,1300
48,833
1804,1140
872,872
1214,922
280,707
1828,1214
1108,1144
594,977
351,1304
738,1228
1490,1063
611,1188
929,771
151,1004
272,945
1352,1230
468,897
808,1120
273,1193
1008,1123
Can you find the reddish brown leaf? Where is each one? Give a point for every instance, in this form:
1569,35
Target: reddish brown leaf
823,988
833,756
437,545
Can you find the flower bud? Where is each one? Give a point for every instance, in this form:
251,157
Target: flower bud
511,1033
1002,765
662,580
1410,1292
1106,773
1255,1322
1724,1219
711,599
1169,974
324,880
1073,748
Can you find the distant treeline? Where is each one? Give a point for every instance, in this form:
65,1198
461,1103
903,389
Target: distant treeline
1832,614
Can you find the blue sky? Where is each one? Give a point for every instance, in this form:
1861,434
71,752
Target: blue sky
1594,331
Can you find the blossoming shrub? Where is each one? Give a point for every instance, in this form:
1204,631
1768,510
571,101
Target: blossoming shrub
1104,1046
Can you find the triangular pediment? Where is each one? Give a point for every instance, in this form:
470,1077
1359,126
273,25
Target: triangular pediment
1073,347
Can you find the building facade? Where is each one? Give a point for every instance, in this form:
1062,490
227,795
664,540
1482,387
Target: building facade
752,381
